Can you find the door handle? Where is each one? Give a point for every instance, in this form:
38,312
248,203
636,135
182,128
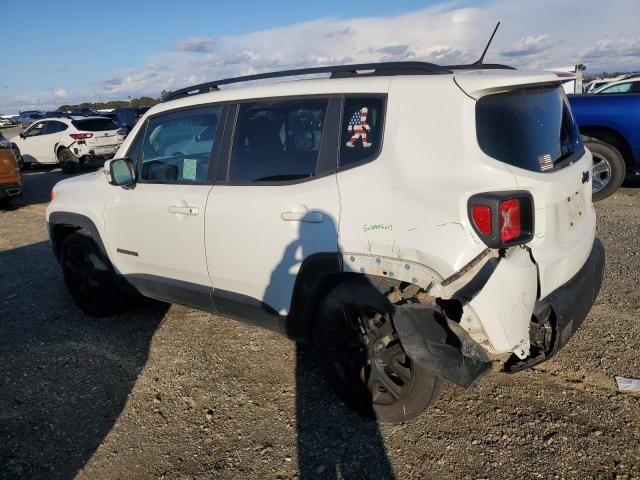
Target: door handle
184,210
307,217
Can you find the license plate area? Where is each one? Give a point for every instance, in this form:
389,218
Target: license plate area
576,208
104,140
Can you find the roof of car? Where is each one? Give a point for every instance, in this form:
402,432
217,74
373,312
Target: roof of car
350,80
88,117
476,78
70,118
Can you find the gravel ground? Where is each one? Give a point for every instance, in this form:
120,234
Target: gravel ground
174,393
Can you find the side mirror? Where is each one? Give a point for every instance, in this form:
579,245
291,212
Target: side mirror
120,172
23,135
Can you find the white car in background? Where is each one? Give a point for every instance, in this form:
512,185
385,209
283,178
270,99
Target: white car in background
628,85
69,142
5,122
593,85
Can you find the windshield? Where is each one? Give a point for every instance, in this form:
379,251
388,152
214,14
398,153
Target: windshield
529,128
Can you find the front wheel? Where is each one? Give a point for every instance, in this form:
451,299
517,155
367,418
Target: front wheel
363,360
68,161
609,169
89,276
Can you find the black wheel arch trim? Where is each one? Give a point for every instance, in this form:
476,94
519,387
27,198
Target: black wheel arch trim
75,221
315,275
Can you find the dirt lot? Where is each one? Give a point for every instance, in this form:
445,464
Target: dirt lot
175,393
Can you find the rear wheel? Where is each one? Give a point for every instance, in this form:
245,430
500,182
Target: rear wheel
68,161
363,359
609,168
89,276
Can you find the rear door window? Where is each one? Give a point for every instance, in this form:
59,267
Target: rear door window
277,141
362,125
54,127
529,128
177,145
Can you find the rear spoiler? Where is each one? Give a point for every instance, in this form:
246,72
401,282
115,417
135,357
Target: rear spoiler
479,84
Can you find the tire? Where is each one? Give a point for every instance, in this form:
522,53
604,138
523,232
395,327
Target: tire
67,160
609,169
89,276
363,360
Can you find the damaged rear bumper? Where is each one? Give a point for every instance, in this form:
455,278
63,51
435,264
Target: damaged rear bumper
566,308
436,342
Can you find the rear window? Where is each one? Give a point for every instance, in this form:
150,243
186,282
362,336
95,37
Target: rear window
95,124
529,128
277,141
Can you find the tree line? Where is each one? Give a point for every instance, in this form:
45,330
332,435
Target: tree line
135,102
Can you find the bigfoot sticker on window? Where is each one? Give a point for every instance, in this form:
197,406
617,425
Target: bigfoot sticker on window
358,128
361,136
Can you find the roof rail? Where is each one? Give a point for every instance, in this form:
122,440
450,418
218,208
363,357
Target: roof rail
336,71
481,66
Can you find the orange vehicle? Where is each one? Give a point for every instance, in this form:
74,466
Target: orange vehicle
10,176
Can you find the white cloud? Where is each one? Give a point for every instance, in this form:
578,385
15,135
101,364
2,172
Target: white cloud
540,34
60,93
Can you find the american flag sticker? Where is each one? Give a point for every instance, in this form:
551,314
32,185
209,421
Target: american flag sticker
358,128
545,162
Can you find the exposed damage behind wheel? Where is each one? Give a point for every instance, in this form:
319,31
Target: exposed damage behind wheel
438,343
532,329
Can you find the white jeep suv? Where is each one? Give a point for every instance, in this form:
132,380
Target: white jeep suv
411,222
69,142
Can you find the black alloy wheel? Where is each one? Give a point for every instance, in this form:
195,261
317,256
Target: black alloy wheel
363,359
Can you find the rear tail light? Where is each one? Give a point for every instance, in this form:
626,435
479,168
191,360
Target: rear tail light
482,218
509,224
80,136
502,219
52,195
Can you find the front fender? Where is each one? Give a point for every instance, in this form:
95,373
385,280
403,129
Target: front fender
72,220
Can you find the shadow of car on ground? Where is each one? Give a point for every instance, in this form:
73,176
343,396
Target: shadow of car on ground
64,378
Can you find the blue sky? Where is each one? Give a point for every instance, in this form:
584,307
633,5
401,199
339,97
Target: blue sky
72,51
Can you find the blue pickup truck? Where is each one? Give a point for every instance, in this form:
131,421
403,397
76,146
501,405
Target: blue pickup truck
610,128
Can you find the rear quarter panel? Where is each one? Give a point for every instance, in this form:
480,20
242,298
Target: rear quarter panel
415,193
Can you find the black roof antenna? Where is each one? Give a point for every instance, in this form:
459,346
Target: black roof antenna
481,59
